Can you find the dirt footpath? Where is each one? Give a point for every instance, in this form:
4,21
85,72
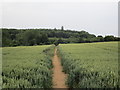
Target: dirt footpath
59,77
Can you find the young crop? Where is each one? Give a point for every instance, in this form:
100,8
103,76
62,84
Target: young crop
27,67
91,65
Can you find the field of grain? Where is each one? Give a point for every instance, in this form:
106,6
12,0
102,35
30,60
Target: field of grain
27,66
85,65
90,65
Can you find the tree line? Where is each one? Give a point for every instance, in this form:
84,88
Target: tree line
30,37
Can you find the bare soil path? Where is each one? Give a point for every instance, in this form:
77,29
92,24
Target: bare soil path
59,77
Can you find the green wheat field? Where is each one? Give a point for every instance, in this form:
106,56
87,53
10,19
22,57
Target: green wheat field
91,65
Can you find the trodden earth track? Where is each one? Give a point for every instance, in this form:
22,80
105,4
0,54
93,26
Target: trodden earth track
59,77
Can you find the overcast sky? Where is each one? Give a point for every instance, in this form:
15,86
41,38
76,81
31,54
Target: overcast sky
99,18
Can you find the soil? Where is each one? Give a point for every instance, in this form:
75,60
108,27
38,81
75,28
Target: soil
59,77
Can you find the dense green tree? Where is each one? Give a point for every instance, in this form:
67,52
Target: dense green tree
29,37
100,38
0,37
6,41
109,38
81,40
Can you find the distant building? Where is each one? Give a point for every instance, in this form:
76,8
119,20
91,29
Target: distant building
62,28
